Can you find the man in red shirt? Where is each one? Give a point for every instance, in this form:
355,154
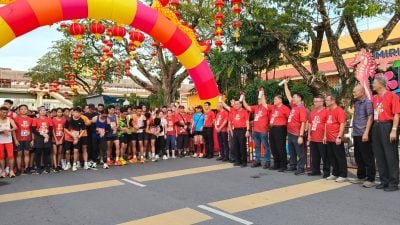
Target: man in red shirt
296,125
316,131
260,130
221,126
278,132
208,130
385,136
241,131
23,138
335,124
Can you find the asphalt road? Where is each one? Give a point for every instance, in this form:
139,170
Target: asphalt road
22,201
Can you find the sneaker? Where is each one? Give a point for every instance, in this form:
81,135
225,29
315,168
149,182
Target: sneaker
201,155
133,160
86,166
105,166
74,167
18,173
164,157
195,155
154,159
94,165
356,180
341,179
108,162
78,164
256,164
390,188
290,170
174,157
157,157
331,177
368,184
35,172
298,173
7,170
267,165
141,160
68,166
63,163
123,161
117,163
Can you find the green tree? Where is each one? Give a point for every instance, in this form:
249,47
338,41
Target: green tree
310,22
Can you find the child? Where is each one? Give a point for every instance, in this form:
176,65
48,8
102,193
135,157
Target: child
23,138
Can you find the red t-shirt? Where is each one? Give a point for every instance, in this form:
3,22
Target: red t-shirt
221,117
43,125
317,123
334,118
171,128
385,106
261,118
209,118
58,127
279,115
24,125
297,115
183,119
239,118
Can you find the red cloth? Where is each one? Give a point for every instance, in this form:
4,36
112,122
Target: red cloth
239,118
261,118
317,123
58,127
209,118
171,128
222,116
279,115
335,117
297,115
386,106
24,125
42,124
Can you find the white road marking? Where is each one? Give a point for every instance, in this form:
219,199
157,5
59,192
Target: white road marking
226,215
133,182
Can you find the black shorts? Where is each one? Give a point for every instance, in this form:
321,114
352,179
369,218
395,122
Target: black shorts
134,137
149,137
182,141
83,141
129,137
140,136
112,138
24,146
123,139
68,146
198,133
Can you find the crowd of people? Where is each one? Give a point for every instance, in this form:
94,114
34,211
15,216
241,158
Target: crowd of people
64,139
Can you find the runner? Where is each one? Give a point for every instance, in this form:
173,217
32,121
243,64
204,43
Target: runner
7,128
23,140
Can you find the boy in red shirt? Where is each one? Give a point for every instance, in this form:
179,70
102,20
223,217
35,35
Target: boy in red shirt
23,138
208,130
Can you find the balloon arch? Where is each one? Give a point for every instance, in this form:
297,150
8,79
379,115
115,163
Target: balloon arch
23,16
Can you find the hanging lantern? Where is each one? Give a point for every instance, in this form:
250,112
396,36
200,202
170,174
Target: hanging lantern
218,43
137,37
177,13
67,67
118,32
219,4
97,29
94,78
102,77
174,3
163,2
63,26
79,45
77,30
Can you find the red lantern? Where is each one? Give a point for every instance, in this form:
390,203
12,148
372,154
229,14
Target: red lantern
137,37
66,67
79,45
154,54
163,2
236,24
218,32
219,4
118,32
77,30
236,2
97,29
110,54
177,13
219,16
75,57
127,68
94,77
106,50
218,23
63,26
236,10
174,3
205,47
218,43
